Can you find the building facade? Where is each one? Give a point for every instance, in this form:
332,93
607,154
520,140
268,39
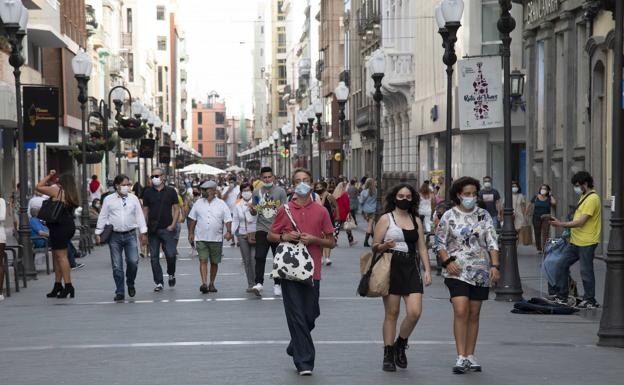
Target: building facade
209,132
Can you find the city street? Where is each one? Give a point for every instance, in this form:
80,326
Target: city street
180,336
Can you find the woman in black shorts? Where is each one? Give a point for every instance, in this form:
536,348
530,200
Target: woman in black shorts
466,243
400,232
62,231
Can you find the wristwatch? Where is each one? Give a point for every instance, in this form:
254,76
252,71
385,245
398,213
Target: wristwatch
497,267
448,261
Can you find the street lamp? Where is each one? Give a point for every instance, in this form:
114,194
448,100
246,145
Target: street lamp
342,93
14,21
611,332
318,112
377,67
509,288
286,141
448,14
310,117
276,142
81,65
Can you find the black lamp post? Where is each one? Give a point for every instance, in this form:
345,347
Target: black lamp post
509,288
611,332
377,67
14,21
318,112
81,64
276,149
310,117
448,15
286,142
117,94
342,93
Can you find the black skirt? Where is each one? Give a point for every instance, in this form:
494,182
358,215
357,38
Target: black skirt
63,231
405,276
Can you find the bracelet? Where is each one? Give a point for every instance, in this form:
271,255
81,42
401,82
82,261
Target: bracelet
448,261
497,267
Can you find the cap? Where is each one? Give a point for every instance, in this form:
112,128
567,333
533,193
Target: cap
208,184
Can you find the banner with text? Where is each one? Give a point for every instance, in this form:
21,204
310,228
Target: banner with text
41,114
480,91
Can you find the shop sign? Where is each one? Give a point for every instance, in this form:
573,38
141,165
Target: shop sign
480,91
537,10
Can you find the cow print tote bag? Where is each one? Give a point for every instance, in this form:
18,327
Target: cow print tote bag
292,260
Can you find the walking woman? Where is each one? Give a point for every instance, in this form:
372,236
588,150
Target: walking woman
62,231
466,243
426,205
400,232
244,227
328,201
541,204
344,210
368,201
3,211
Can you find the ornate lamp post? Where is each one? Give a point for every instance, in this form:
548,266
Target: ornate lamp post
276,150
137,111
81,65
611,332
377,67
14,21
342,93
509,288
318,112
448,15
310,117
287,141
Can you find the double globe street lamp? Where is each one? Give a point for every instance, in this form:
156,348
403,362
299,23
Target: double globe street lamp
310,117
318,112
377,68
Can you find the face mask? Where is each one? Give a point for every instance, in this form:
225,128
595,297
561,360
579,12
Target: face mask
156,181
319,192
303,189
97,205
204,194
469,202
246,195
268,185
514,189
487,184
578,190
404,204
544,192
124,190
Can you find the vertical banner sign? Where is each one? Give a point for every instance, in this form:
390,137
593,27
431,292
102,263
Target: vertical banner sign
164,154
480,93
146,148
41,112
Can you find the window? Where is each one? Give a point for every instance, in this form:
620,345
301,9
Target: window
160,79
220,133
199,118
162,43
200,148
490,38
220,149
160,12
129,20
200,133
281,72
219,117
130,60
281,39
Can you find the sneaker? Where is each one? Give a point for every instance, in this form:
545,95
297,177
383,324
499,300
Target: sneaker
158,287
131,291
277,290
461,365
118,298
162,255
328,262
1,297
474,366
78,266
305,372
588,304
257,289
172,281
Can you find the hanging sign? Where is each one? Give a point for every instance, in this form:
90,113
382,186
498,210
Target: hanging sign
41,114
480,93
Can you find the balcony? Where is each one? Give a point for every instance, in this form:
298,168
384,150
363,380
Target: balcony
368,16
126,40
183,95
399,73
44,24
117,65
365,121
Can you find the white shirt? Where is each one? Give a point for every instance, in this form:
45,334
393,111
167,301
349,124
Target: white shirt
232,196
210,217
37,202
123,212
242,219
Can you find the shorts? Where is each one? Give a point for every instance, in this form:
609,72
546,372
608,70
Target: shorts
212,251
459,288
368,216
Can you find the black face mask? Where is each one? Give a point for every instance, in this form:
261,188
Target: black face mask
404,204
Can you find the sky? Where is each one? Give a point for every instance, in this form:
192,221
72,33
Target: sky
220,36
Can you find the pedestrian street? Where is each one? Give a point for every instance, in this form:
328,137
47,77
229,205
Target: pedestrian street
180,336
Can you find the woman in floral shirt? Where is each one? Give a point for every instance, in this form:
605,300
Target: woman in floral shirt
466,243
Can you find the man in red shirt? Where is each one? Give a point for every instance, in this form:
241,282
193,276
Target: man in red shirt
301,302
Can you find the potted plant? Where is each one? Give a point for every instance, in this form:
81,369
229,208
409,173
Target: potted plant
130,128
92,157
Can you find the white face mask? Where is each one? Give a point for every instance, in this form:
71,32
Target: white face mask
246,195
544,191
124,190
156,182
514,189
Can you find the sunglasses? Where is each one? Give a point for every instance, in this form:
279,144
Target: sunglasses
155,176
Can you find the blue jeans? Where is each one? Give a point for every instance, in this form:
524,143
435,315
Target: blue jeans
571,254
165,238
126,243
71,254
301,305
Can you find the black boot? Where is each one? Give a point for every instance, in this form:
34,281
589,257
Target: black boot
366,240
58,287
67,290
388,361
399,352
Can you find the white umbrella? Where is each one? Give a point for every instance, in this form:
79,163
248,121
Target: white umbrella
235,169
203,169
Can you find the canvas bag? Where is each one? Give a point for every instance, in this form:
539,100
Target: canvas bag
375,269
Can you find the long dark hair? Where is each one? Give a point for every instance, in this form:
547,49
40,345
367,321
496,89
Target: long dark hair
391,198
70,191
459,184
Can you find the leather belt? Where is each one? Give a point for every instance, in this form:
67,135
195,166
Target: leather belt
124,232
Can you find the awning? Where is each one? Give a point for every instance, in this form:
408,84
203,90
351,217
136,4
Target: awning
45,36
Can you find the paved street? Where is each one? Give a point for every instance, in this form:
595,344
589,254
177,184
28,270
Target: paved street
183,337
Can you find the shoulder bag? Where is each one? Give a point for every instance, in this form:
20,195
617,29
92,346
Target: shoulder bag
349,224
292,260
251,235
50,211
375,269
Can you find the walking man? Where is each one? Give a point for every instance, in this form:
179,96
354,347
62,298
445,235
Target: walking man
122,210
161,208
492,199
230,193
265,202
205,227
301,302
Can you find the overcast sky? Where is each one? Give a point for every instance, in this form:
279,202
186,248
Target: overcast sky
220,43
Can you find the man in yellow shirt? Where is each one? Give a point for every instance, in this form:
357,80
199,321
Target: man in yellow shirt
585,236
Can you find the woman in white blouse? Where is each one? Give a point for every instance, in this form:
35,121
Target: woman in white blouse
244,226
2,245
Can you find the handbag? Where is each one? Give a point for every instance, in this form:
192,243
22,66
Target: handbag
50,211
375,269
251,235
106,234
349,224
292,261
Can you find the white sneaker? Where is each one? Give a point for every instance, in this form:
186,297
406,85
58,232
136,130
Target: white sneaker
474,366
1,297
257,289
462,365
277,290
328,261
305,373
158,287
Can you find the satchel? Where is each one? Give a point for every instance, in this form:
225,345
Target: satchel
375,282
50,211
251,235
349,224
292,260
106,234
